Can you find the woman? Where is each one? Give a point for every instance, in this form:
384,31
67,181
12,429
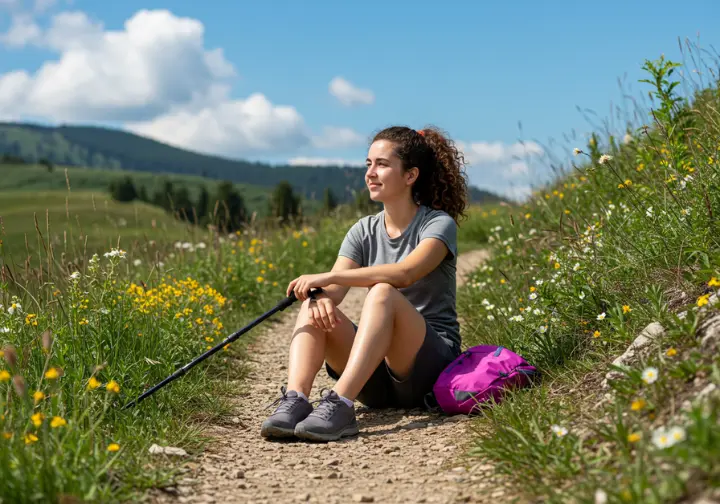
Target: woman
406,256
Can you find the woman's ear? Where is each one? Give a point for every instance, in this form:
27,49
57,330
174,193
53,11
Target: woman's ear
413,173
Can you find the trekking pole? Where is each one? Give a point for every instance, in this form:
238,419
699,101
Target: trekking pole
180,372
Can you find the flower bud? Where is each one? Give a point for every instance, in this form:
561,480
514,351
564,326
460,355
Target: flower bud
47,340
19,384
10,356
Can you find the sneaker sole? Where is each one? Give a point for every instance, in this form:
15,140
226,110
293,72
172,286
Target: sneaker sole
352,430
273,431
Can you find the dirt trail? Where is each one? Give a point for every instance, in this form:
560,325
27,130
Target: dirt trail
399,456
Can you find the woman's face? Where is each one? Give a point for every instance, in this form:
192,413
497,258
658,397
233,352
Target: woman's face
385,177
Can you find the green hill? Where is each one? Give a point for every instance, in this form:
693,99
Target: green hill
111,149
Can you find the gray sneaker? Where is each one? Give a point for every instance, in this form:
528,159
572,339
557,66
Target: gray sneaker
331,420
291,410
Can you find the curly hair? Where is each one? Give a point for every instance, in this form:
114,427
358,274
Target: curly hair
442,182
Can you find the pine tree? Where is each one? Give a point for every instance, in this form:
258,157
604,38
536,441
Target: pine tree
284,204
231,211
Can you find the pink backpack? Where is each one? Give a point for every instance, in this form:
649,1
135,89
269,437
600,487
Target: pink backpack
477,375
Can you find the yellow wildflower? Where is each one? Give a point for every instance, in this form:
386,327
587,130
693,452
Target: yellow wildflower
532,289
57,422
30,438
113,386
93,383
703,300
113,447
626,308
596,334
638,404
671,352
37,419
260,279
4,376
52,374
634,437
557,265
38,396
714,282
7,435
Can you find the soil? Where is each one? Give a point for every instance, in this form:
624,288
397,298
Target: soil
399,455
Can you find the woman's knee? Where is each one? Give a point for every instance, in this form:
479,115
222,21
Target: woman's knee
381,293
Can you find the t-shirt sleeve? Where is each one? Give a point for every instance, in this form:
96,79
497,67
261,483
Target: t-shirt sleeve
351,245
442,227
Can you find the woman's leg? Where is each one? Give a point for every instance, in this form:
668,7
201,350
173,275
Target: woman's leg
311,346
390,328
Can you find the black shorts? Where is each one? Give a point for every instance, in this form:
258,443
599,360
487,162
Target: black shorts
384,390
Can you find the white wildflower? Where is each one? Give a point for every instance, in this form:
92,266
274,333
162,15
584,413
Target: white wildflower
137,262
601,316
676,434
537,311
660,438
576,267
75,275
485,302
600,496
559,430
576,151
4,330
627,138
491,317
604,158
649,212
581,295
649,375
200,245
15,307
533,295
542,328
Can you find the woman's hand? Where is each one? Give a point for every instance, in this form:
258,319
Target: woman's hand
303,284
322,313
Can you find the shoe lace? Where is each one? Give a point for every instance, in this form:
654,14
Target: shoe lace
286,404
325,406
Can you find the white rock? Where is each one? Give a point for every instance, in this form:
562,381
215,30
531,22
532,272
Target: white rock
167,450
646,336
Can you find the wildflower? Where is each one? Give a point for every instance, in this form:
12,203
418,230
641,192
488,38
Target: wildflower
601,316
93,383
638,404
581,295
627,138
137,262
75,276
596,334
626,308
37,419
634,437
30,438
649,211
113,386
542,328
649,375
557,265
57,422
7,435
304,244
576,151
533,295
604,158
14,307
576,267
4,376
703,300
676,434
113,447
260,279
714,282
491,317
38,396
559,430
671,352
52,374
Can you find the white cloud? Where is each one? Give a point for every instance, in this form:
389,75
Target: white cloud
321,161
334,137
157,61
497,152
22,31
350,95
43,5
230,127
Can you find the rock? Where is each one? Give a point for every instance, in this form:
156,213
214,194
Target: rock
167,450
333,475
303,497
455,418
314,476
415,425
708,331
646,336
362,498
391,449
239,474
331,462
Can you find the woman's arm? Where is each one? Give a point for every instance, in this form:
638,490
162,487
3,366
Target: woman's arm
426,257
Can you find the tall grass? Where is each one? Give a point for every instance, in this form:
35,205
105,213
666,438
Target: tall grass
82,337
627,236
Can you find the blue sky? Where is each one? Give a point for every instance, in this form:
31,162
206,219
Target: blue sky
475,69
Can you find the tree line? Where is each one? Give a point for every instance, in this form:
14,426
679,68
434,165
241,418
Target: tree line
225,207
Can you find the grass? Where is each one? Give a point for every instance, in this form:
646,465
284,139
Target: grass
34,178
628,235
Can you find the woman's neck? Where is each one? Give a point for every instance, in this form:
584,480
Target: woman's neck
398,216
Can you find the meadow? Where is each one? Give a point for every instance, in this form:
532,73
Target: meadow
626,237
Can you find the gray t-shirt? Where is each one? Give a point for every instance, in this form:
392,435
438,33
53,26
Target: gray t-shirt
368,244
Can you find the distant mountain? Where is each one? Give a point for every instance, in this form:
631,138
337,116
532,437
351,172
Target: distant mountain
112,149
